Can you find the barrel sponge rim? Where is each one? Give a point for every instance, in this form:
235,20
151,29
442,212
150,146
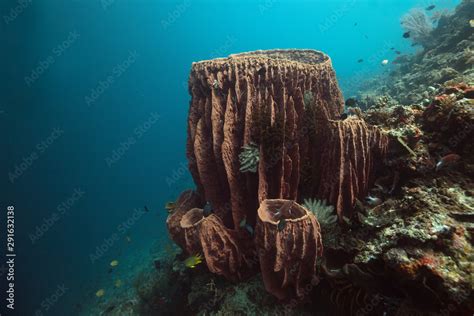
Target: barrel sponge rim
269,206
305,57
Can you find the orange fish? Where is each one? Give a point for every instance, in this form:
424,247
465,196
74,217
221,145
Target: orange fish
447,161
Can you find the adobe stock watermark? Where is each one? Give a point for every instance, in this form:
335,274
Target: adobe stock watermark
106,3
61,210
121,230
40,148
117,72
125,145
336,16
177,174
224,49
265,5
46,63
175,14
16,11
48,303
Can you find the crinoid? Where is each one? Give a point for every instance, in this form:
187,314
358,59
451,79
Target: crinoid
323,212
249,158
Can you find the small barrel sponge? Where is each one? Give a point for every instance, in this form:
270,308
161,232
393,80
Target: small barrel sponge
187,200
223,250
288,241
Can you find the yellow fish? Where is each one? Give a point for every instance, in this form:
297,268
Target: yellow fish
118,283
100,293
193,261
471,22
114,263
170,206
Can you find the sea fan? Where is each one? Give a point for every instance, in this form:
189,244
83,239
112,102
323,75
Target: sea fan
323,211
418,24
249,158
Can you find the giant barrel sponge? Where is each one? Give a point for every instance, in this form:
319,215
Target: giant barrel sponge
285,104
266,125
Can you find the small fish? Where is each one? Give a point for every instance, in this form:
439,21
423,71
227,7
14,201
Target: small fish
406,34
360,61
193,261
207,209
355,24
343,116
373,201
392,48
114,263
431,7
277,213
282,224
118,283
146,209
398,52
170,206
128,238
471,22
243,223
447,161
100,293
384,62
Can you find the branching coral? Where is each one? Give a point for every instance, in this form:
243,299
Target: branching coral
323,212
249,158
418,24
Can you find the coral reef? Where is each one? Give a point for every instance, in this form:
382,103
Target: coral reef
397,171
447,59
418,25
288,239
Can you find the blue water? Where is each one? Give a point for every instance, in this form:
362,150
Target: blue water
82,79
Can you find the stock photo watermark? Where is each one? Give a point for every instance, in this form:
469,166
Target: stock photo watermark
49,302
44,64
61,210
175,14
40,148
126,144
332,19
121,230
16,11
104,84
